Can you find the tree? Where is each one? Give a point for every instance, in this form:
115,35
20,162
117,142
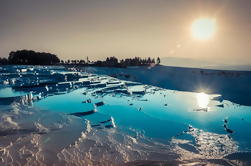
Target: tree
111,61
82,62
3,61
158,60
30,57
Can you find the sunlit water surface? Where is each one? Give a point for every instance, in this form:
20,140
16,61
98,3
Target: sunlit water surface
193,121
152,125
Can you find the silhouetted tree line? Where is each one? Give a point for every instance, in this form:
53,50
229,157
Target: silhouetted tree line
4,61
30,57
114,62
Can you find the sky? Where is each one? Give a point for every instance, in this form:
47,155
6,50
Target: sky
75,29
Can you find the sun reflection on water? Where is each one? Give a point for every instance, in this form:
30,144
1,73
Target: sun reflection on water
202,100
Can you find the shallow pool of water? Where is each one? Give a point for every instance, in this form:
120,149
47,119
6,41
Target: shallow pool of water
98,119
162,114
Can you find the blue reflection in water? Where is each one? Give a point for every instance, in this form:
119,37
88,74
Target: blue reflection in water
9,92
161,114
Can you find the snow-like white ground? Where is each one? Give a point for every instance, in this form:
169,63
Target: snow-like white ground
51,115
232,85
205,64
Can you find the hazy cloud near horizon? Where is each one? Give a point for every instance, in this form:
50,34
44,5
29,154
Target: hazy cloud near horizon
126,28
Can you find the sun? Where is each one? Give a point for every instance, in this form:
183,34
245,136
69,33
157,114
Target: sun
203,28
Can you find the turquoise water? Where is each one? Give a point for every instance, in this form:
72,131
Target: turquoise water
161,114
9,92
98,118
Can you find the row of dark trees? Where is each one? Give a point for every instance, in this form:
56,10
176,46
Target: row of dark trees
137,61
4,61
30,57
114,62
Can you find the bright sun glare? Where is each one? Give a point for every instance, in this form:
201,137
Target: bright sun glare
203,28
202,100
